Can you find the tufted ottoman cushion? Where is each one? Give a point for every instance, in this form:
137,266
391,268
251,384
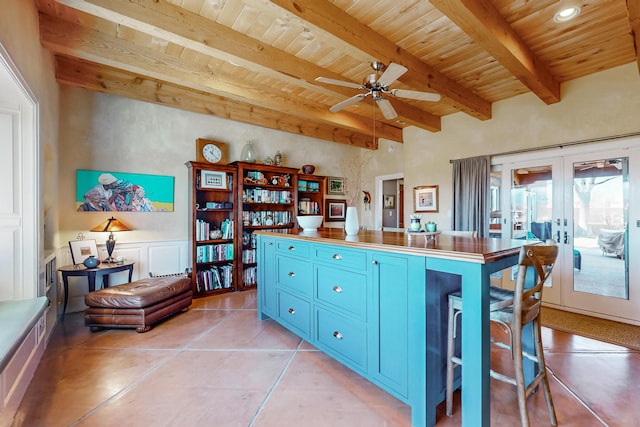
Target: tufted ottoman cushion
138,304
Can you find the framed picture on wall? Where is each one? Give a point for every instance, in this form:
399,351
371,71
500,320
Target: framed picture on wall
335,210
389,201
335,185
425,198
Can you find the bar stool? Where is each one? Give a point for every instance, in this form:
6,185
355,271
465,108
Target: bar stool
513,310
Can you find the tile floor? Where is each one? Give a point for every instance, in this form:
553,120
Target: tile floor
218,365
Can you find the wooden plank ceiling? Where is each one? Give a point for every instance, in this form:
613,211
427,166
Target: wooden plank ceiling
256,61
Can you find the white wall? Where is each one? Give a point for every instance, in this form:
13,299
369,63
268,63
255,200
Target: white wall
603,104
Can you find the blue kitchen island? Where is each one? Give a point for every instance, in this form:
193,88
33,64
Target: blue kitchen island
377,303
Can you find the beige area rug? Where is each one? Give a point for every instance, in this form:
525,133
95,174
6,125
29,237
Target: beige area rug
592,327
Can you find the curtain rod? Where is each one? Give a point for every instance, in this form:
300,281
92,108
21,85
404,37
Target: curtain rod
560,145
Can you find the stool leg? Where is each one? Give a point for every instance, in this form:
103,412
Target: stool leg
519,373
450,365
543,368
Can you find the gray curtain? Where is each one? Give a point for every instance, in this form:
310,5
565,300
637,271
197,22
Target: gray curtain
471,187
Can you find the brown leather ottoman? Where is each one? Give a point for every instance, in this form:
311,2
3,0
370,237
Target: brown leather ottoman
138,304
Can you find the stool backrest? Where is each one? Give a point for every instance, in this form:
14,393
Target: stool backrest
526,301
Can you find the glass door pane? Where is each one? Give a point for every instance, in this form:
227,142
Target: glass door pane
600,189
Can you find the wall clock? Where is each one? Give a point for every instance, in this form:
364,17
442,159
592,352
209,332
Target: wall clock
211,151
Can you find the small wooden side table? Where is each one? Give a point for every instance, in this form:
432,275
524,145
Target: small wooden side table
103,271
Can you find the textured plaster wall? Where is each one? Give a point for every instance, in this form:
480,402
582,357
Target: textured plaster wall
599,105
105,132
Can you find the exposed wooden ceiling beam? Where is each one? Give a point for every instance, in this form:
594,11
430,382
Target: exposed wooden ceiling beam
334,20
481,21
72,40
101,78
179,26
633,6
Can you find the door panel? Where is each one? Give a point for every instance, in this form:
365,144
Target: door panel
598,207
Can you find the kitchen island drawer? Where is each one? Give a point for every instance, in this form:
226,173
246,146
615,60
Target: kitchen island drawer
341,257
294,275
295,314
293,248
344,290
344,338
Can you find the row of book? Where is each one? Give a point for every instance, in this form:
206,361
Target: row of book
258,195
215,278
249,256
250,276
308,186
210,253
204,229
307,207
266,217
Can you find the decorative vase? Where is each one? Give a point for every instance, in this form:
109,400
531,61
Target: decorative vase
308,169
415,224
351,224
248,153
91,262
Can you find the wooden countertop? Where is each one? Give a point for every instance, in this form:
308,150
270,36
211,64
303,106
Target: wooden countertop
480,250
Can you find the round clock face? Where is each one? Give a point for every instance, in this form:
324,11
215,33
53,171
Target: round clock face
211,153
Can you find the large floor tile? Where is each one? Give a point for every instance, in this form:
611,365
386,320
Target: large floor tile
243,330
76,381
196,388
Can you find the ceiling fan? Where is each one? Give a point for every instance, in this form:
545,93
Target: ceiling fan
377,86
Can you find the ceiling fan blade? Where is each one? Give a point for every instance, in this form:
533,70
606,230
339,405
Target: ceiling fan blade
338,82
391,74
347,102
387,109
414,94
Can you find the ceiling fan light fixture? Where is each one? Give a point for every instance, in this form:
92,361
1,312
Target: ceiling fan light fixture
567,14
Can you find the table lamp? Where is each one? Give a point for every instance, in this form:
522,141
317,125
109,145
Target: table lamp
110,226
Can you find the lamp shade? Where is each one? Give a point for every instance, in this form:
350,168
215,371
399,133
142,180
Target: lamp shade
111,225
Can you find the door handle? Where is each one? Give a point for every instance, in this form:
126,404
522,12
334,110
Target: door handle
566,237
558,236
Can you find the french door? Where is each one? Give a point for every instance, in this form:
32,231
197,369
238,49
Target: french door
589,204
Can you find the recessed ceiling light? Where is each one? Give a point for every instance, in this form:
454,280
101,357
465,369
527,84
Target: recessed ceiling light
567,14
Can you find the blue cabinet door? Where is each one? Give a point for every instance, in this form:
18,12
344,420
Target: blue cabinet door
389,332
267,277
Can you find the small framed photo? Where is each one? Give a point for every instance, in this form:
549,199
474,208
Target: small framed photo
425,198
335,185
389,201
335,210
213,179
82,249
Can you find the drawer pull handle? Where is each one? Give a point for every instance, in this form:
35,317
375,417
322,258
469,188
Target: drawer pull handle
292,311
292,248
291,274
337,289
374,262
337,335
337,256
